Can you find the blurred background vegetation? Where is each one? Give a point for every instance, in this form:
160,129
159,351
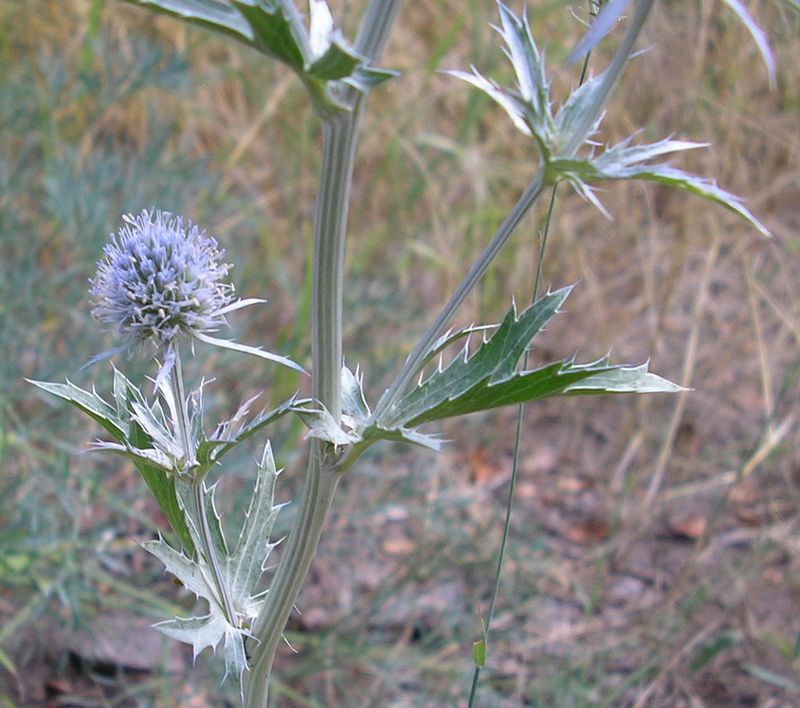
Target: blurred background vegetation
654,553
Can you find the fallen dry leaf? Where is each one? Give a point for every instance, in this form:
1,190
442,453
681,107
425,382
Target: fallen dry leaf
527,490
748,515
745,491
544,459
571,484
482,470
398,546
590,530
688,524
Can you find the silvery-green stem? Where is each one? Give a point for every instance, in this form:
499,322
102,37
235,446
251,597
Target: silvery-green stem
338,145
178,393
624,50
217,580
474,274
315,500
375,26
339,136
207,549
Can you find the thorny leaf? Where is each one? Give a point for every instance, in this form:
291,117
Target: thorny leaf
488,378
559,137
241,571
321,55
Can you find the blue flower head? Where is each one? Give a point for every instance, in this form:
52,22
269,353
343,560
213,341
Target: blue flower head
161,277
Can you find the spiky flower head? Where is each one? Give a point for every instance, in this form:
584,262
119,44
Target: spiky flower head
160,277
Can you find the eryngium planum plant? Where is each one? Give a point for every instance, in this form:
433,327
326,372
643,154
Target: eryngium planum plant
162,287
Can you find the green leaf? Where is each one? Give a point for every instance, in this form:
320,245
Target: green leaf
183,489
150,456
275,30
321,425
338,62
582,102
558,138
624,161
247,349
356,414
479,653
366,77
620,379
488,379
759,37
120,390
131,438
150,418
270,26
162,486
518,110
529,107
354,405
247,562
555,379
240,571
333,58
205,631
181,566
608,16
528,64
450,337
234,431
90,403
495,360
200,632
377,432
216,15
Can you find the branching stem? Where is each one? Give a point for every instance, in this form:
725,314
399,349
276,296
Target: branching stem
578,137
475,273
207,549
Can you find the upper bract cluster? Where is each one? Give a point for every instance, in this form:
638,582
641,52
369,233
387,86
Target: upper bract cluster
160,277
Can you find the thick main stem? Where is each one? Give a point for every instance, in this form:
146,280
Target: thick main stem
338,136
318,491
338,140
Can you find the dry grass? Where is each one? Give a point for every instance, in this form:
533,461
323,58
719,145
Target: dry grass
654,557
